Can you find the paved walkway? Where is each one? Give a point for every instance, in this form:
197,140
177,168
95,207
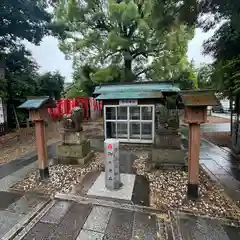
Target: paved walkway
221,166
222,115
16,208
86,221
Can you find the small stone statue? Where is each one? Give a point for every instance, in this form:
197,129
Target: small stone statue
72,122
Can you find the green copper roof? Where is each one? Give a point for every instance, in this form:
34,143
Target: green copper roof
136,88
37,102
129,95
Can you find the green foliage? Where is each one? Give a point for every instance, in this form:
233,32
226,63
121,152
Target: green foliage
82,82
122,37
205,76
50,84
20,20
224,45
187,80
20,73
25,20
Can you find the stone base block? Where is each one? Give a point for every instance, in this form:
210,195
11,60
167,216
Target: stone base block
76,161
192,191
70,138
44,174
168,158
125,192
73,150
168,139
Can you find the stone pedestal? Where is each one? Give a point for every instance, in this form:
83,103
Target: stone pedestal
112,171
73,149
168,151
168,138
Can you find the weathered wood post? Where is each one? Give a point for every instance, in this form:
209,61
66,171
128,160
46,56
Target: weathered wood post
195,103
38,112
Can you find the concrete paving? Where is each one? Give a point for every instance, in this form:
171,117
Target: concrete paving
125,192
213,127
220,165
222,115
16,208
198,228
88,221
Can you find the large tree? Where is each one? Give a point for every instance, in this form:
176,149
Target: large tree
22,19
224,44
50,84
124,36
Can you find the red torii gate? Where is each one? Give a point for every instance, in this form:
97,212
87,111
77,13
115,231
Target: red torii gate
65,106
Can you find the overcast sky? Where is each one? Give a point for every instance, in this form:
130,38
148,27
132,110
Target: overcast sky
50,58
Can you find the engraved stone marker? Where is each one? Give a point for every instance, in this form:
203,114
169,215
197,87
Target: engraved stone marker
112,174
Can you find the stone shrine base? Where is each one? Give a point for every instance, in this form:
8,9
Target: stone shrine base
74,153
167,158
125,192
76,161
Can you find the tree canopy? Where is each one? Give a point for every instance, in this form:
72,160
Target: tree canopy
50,84
224,44
125,38
20,20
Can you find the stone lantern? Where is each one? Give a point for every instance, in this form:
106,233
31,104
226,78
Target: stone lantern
196,103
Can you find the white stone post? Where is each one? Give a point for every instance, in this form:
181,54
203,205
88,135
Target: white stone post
112,171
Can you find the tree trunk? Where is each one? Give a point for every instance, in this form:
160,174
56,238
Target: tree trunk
127,71
128,75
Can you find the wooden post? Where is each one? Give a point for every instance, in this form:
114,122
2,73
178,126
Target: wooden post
38,111
41,149
193,160
195,103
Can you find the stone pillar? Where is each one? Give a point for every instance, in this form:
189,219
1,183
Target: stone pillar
193,162
41,149
112,171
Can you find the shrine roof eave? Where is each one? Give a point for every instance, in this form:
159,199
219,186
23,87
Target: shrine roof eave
129,95
137,87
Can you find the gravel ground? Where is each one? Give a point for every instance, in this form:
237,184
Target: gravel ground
62,178
168,192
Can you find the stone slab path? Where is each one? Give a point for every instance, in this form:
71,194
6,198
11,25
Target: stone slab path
220,165
85,221
16,208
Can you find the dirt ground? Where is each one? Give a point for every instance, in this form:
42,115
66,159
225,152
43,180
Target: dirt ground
222,139
14,145
212,119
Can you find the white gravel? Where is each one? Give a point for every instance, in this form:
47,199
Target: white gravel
168,192
62,178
